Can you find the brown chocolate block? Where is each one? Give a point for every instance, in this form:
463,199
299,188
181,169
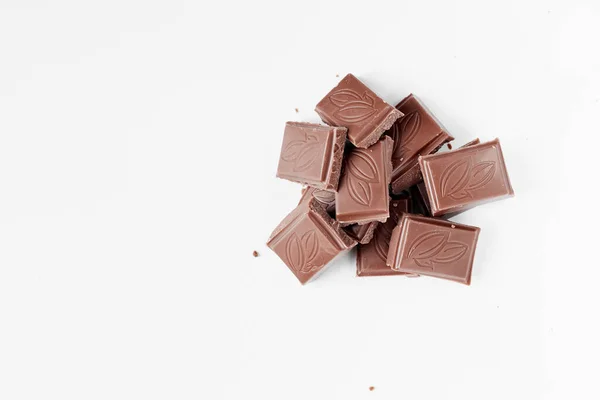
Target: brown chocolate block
371,258
417,133
363,234
312,154
433,247
325,197
463,178
363,193
307,239
358,108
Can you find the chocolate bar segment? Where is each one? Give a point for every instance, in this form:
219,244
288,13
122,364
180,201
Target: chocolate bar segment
363,193
417,133
433,247
371,258
312,154
307,239
463,178
353,105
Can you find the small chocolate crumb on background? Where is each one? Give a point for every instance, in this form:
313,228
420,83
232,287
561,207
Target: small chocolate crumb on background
296,109
449,146
255,253
337,75
371,388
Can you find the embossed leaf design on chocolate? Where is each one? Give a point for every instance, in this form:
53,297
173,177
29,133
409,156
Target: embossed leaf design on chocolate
301,152
482,173
361,172
455,178
359,190
409,127
426,246
294,253
435,247
362,166
460,177
310,244
343,96
352,107
291,151
324,196
451,252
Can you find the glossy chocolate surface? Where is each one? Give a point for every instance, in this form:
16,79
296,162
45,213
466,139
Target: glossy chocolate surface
307,239
353,105
433,247
363,192
312,154
463,178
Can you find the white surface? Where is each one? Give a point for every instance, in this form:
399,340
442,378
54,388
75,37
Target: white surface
138,148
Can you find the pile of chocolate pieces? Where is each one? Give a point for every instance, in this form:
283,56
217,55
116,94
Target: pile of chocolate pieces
374,178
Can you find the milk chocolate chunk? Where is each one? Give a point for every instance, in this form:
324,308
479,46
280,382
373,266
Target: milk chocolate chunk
463,178
433,247
363,193
417,133
312,154
371,258
358,108
307,239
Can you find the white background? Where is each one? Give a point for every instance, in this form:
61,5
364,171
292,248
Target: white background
138,147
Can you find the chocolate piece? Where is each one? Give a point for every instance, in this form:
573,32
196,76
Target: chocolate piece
358,108
463,178
307,239
325,197
417,133
433,247
363,193
471,143
371,258
363,234
312,154
255,253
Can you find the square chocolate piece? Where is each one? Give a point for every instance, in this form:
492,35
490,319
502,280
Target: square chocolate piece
371,258
307,239
363,194
417,133
312,154
463,178
433,247
358,108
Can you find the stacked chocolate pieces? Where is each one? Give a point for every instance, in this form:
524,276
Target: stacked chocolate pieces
375,180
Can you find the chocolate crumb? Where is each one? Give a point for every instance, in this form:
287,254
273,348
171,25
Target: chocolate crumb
449,146
337,75
296,109
371,388
255,253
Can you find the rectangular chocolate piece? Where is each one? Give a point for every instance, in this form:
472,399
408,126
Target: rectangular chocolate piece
371,258
463,178
363,193
358,108
417,133
363,234
433,247
307,239
312,154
